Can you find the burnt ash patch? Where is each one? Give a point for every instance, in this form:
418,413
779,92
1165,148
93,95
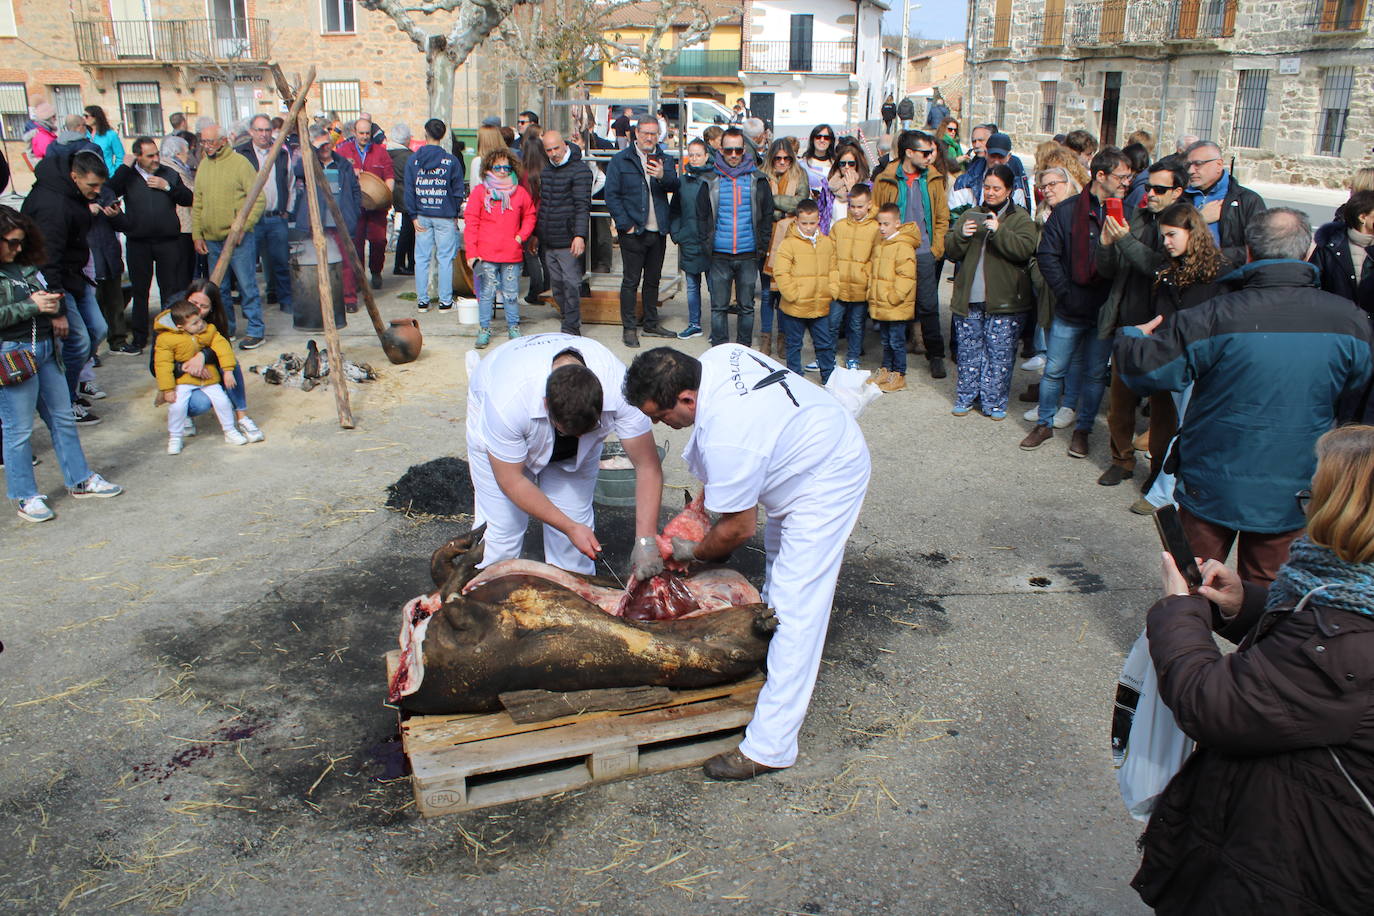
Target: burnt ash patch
1083,580
441,487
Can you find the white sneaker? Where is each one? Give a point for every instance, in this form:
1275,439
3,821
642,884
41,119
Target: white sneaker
96,487
90,390
250,430
1064,417
35,509
1034,364
812,366
234,437
174,445
189,429
1032,415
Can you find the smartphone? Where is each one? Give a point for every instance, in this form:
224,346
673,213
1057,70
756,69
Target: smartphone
1172,536
1114,209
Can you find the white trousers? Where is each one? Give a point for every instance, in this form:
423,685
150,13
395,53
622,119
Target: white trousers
570,491
219,400
805,546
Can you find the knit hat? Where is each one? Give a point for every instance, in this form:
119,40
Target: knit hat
44,111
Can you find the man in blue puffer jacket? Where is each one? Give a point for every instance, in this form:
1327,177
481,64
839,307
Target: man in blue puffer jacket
434,192
736,220
638,179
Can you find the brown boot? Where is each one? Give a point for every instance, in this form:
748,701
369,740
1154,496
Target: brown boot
734,765
880,378
896,381
766,344
1037,437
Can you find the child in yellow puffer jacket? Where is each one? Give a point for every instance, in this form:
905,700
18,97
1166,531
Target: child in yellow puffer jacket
856,237
891,293
193,334
805,274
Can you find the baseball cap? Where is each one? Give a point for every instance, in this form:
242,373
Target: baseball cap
1000,144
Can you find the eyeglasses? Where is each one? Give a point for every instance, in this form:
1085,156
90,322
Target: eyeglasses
782,158
1120,176
1304,497
262,130
952,129
14,243
1160,188
501,168
1199,163
522,120
732,150
1051,184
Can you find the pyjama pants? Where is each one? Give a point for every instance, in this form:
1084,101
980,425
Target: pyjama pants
642,254
219,399
570,489
987,355
371,230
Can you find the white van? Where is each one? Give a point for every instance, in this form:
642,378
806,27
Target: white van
701,114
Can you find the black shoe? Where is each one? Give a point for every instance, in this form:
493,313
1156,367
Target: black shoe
127,349
250,343
95,362
937,367
402,272
657,330
83,414
534,299
1114,475
445,306
630,338
271,299
376,281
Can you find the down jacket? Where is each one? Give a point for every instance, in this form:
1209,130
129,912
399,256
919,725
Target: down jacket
693,250
760,199
892,287
63,218
565,200
1332,257
885,191
627,190
855,242
805,274
1260,820
489,234
1005,255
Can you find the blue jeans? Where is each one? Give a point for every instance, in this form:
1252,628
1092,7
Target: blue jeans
768,301
435,233
1066,342
47,392
274,247
694,300
86,329
822,341
199,403
508,277
892,334
243,268
987,355
737,273
850,316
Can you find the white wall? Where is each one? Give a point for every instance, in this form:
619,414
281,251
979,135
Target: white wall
772,19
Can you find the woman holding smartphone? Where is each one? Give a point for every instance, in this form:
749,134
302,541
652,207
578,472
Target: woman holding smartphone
26,313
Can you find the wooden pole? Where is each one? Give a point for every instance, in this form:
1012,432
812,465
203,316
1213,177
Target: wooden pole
331,331
236,228
349,251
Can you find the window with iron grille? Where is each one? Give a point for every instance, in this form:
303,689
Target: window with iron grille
338,16
14,110
1204,103
1250,99
66,99
999,103
343,98
1049,97
1335,108
140,105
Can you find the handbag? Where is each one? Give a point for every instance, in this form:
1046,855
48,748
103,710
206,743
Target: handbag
779,233
18,366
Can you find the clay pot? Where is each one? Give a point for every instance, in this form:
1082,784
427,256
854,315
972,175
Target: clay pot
403,340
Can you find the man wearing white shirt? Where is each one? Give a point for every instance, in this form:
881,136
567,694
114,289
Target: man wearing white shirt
539,410
271,231
763,436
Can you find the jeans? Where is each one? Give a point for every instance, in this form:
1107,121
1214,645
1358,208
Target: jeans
928,304
243,268
274,247
565,282
739,272
169,259
199,403
508,276
987,355
850,316
768,301
694,300
892,334
433,232
1067,341
642,255
46,392
822,341
86,329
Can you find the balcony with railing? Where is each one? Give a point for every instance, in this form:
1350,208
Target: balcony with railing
141,42
799,57
1337,16
1110,23
1048,29
702,64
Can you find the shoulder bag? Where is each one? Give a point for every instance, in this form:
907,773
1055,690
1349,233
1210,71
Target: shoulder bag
18,366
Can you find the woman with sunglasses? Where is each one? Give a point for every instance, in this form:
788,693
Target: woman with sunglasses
790,185
820,154
26,313
1267,810
499,217
947,136
849,171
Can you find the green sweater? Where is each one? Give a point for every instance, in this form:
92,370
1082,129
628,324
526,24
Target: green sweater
1006,274
222,185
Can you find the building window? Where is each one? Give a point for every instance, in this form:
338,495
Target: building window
141,105
14,110
1335,107
7,24
67,100
1049,98
1204,103
1250,100
338,16
999,103
342,99
1340,15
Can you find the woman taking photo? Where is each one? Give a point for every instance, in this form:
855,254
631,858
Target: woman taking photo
992,293
790,186
26,343
1272,813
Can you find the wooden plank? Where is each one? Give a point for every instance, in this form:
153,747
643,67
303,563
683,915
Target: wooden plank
526,706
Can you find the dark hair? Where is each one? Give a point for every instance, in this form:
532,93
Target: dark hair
217,314
907,140
277,123
534,118
532,159
1175,168
660,375
183,309
508,155
574,398
860,189
893,209
435,129
138,144
811,143
1004,174
701,143
1137,155
1360,203
1202,260
1106,161
102,123
176,119
1080,141
860,160
807,206
32,253
508,134
86,162
730,132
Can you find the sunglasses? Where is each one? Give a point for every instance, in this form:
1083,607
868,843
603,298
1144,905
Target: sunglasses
782,158
14,243
925,152
732,150
1159,188
952,129
849,162
825,136
501,168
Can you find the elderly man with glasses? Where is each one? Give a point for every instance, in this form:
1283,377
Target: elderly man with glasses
1226,206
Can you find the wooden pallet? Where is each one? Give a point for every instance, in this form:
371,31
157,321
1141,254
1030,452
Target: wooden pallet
464,762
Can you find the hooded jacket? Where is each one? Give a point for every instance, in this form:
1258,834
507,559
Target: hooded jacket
565,201
885,191
1004,256
760,216
152,215
892,286
855,242
805,274
63,217
174,345
1268,364
434,184
1337,267
693,253
222,185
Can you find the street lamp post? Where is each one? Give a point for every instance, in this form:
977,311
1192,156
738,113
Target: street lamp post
905,66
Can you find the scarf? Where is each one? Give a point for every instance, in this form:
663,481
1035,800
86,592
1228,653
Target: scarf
1345,586
1084,263
499,189
736,172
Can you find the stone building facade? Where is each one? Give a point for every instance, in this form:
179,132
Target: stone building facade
1284,86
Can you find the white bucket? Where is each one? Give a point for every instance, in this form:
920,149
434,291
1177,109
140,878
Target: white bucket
467,311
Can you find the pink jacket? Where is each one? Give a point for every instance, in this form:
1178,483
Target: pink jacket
490,236
42,139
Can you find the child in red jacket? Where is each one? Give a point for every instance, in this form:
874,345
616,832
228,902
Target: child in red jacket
499,218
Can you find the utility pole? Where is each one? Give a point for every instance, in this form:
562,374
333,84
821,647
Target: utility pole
905,65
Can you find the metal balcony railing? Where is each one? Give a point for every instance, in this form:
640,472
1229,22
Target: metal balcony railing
1106,23
1048,28
1197,20
800,57
701,64
172,41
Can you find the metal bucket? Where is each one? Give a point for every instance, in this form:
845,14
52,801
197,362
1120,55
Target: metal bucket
616,486
305,289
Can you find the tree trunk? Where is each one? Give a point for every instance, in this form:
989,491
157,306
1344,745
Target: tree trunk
655,87
439,79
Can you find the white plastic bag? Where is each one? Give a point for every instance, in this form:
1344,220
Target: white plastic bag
1148,747
852,389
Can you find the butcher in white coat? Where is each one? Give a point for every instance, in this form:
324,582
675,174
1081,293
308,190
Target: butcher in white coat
763,436
539,410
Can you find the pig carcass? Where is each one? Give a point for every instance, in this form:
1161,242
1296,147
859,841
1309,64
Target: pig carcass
520,625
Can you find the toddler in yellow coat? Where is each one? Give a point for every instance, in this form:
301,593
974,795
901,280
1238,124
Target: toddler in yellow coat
891,293
173,348
855,237
805,273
